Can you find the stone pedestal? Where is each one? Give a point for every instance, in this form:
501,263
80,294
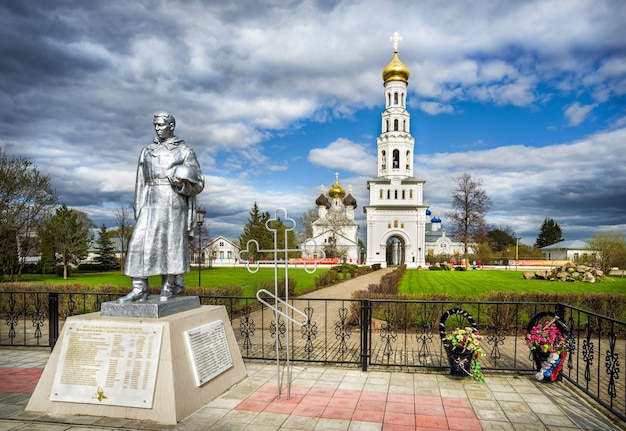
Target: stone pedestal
108,366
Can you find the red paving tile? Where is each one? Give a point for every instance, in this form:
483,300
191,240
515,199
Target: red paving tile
374,396
321,392
345,393
308,410
396,418
428,400
343,403
431,422
371,405
316,400
392,427
19,380
337,413
425,409
396,412
400,407
401,398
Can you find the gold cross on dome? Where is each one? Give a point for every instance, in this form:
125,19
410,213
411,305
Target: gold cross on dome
396,38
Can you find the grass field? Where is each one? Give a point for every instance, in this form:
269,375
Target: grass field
477,283
464,283
210,278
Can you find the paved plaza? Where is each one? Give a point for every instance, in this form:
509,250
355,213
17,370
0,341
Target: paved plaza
334,398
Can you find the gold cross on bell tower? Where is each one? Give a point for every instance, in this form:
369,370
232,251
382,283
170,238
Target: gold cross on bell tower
396,38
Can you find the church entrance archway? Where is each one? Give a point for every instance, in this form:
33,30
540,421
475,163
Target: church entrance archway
395,251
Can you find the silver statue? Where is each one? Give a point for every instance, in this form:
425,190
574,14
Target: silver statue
168,179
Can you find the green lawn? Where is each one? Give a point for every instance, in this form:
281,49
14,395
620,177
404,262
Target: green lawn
477,283
210,278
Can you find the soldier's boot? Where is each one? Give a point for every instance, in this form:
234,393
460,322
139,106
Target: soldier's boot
171,284
139,292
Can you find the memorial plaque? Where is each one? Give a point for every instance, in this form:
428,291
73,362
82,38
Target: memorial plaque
108,363
209,351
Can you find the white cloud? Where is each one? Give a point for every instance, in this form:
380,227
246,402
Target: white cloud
577,112
346,155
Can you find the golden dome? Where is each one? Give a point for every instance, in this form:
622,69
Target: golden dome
336,191
396,70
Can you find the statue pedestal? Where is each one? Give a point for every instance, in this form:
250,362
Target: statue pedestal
161,370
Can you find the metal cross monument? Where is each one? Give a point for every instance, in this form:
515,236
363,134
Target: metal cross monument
281,258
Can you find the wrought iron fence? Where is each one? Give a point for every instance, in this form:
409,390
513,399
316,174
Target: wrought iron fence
370,333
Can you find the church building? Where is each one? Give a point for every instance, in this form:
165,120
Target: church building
335,230
396,214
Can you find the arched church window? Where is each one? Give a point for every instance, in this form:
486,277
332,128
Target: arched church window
395,98
395,194
395,125
403,194
383,157
380,194
410,194
388,194
402,225
403,99
395,223
388,225
408,158
404,126
388,99
396,158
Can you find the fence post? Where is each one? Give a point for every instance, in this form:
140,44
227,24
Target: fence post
53,318
365,325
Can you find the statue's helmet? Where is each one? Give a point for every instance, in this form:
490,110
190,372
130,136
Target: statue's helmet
187,173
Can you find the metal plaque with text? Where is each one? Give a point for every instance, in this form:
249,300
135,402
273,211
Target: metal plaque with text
109,363
209,351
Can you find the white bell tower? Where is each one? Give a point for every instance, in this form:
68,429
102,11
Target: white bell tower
396,215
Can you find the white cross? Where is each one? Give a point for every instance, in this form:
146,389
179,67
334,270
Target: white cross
396,38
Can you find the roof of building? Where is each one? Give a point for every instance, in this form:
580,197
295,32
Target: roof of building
573,244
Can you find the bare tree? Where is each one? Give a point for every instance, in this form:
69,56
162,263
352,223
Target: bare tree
305,224
610,247
25,197
123,232
470,203
334,224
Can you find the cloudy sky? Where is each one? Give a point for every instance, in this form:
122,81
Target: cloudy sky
275,96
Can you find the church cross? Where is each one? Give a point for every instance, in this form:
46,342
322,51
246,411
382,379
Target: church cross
396,38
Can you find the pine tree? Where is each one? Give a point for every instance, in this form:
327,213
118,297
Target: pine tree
255,229
105,249
550,233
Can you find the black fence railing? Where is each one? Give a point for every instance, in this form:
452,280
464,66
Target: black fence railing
370,333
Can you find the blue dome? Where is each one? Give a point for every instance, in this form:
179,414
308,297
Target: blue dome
428,211
435,220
